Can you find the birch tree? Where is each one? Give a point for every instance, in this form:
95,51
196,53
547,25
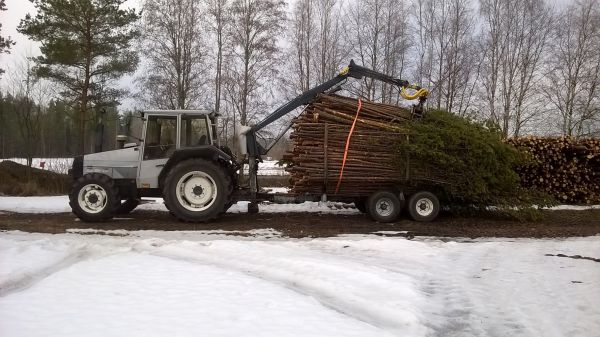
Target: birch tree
220,25
574,69
317,49
514,38
174,47
302,41
448,61
255,30
378,37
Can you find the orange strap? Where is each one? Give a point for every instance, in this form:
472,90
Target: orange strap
337,188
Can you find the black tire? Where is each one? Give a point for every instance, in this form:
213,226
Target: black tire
361,205
384,206
127,206
423,206
85,208
181,207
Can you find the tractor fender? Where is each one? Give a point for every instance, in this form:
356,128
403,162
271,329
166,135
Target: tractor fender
207,152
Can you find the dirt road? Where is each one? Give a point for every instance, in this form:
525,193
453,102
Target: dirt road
555,224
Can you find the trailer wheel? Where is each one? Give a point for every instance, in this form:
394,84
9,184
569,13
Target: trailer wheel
94,197
423,206
196,190
384,206
128,206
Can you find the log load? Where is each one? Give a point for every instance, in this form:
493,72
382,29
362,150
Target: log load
319,138
566,168
467,159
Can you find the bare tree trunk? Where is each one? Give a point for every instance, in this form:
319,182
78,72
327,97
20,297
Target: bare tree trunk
377,35
255,28
573,76
176,76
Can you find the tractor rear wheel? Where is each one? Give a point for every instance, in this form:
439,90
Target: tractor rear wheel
94,197
197,190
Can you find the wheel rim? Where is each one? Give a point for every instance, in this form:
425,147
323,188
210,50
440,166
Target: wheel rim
196,191
424,207
92,198
384,207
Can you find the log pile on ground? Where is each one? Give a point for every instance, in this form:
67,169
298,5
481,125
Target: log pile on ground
320,135
565,168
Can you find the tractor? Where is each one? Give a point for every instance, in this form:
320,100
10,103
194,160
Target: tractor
179,158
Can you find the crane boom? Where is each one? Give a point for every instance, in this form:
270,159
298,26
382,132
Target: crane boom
353,70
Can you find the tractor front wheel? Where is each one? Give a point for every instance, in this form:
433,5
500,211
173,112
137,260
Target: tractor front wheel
94,197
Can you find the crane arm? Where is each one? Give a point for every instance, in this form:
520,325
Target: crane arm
353,70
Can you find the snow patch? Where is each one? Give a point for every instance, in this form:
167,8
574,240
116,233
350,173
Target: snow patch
263,233
573,207
60,204
51,204
154,283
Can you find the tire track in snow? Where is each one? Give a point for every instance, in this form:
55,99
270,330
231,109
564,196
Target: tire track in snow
29,279
465,286
370,303
448,307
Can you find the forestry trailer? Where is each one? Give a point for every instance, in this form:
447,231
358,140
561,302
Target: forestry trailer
179,159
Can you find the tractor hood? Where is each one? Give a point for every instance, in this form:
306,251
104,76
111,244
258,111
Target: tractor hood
117,164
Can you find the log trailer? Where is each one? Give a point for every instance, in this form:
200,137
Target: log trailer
179,158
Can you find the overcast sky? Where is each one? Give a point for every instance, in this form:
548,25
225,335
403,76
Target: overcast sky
17,9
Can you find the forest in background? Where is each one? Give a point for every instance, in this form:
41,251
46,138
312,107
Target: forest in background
529,67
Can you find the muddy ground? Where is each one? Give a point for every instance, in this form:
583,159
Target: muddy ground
554,224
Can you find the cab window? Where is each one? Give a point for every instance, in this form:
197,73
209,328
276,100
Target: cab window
161,133
194,131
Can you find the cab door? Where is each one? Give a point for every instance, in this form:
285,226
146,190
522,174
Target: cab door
160,141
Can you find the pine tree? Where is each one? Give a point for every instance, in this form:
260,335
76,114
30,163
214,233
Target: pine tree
85,46
5,43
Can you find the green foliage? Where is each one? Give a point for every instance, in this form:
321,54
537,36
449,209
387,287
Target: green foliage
471,158
85,45
522,214
5,43
82,35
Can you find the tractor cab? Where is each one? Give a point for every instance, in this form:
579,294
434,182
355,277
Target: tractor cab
160,134
166,131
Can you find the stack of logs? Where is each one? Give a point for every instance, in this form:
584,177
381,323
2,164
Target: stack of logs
320,134
566,168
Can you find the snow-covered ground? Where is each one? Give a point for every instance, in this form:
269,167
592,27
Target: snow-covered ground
60,204
152,283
